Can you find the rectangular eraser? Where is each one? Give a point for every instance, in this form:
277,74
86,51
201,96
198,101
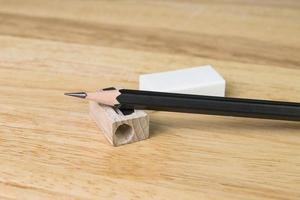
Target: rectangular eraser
203,80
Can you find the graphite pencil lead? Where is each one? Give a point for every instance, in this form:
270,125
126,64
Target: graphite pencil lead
77,94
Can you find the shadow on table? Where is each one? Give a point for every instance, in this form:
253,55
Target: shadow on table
164,124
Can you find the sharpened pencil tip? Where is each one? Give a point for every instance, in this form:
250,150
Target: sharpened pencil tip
77,94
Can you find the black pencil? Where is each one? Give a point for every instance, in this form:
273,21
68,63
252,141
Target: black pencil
128,100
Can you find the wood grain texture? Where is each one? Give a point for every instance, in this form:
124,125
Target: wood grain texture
51,149
120,129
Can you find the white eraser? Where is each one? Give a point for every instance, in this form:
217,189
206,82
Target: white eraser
203,80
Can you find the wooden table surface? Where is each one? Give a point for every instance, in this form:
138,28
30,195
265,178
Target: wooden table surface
51,149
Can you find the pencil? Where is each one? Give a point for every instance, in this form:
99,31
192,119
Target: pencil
127,100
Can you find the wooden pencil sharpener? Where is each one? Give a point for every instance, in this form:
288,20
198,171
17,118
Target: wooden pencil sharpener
117,127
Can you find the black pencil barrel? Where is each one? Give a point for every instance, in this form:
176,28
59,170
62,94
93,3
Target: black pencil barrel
226,106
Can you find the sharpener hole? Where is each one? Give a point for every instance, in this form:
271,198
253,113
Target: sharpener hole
124,133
